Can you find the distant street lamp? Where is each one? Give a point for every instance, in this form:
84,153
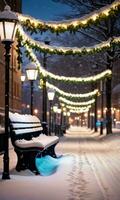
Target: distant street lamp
51,94
22,78
28,106
55,107
44,98
8,25
32,73
36,111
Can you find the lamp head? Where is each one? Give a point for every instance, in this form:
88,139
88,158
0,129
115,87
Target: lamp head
51,94
8,24
55,107
22,78
31,72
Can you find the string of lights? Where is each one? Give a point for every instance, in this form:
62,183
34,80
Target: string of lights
68,102
61,92
50,75
42,47
35,25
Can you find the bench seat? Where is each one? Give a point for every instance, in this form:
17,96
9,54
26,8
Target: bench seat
29,141
39,142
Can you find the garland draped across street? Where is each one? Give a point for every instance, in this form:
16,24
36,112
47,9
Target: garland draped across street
106,73
61,92
78,108
68,102
79,111
42,47
35,25
50,75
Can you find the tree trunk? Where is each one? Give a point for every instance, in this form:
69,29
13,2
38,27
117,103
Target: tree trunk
95,115
109,93
108,106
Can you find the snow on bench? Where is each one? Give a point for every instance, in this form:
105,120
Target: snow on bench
29,141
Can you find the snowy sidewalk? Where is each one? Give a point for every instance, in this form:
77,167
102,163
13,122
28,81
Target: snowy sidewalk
89,170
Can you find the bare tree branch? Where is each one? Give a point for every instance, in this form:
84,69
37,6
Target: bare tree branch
96,29
87,5
90,36
97,4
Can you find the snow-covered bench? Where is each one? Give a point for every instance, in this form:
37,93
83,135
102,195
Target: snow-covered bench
29,141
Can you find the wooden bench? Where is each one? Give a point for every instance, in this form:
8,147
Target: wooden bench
29,141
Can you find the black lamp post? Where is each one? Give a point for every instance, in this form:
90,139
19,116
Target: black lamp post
32,73
67,115
22,81
92,119
8,25
63,109
95,68
64,118
55,107
102,104
88,124
44,98
95,111
51,94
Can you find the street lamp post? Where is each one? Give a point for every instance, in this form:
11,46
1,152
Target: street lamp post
68,115
88,124
55,107
58,129
44,99
92,119
8,25
95,118
32,73
22,81
51,94
63,115
95,69
102,104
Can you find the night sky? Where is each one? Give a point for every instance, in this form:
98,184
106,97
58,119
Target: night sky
44,9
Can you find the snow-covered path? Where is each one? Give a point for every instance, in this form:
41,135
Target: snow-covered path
96,169
89,170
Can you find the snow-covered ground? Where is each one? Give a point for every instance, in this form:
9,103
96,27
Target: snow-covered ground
89,170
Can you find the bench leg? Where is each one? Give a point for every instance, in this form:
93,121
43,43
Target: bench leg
32,166
51,151
21,165
26,160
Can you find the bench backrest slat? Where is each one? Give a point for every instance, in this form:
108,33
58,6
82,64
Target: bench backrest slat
15,117
22,131
24,126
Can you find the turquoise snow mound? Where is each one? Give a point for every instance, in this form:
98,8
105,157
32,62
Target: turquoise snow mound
46,165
